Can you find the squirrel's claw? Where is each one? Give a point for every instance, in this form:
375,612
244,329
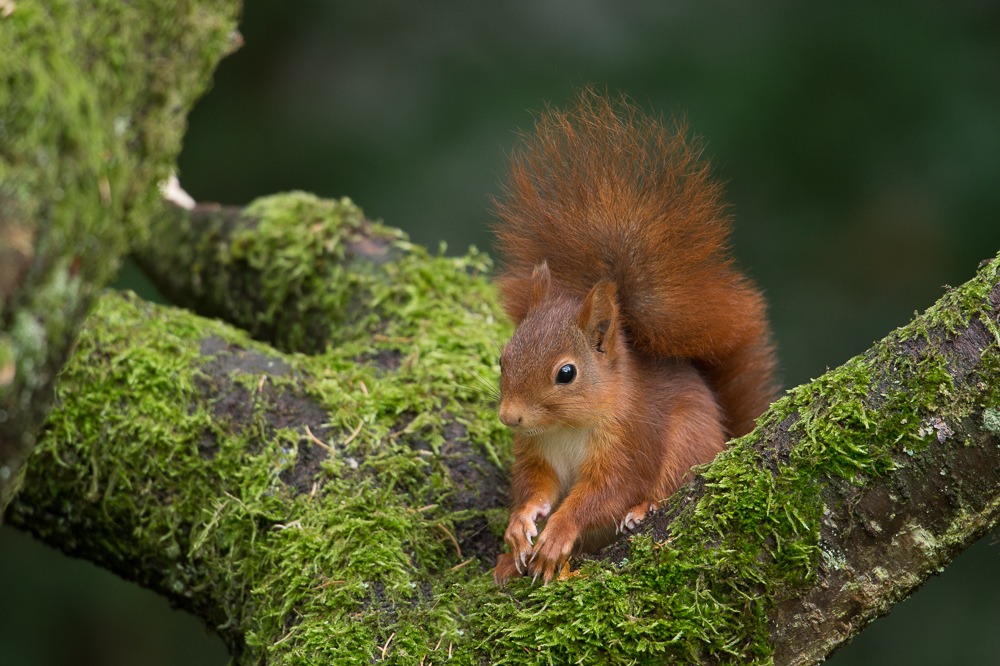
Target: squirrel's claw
635,516
629,522
520,535
530,532
552,549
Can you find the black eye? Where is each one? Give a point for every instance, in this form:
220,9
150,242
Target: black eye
566,374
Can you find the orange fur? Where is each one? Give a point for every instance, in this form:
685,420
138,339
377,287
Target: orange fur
614,242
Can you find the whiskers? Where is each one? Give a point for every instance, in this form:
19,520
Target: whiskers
482,386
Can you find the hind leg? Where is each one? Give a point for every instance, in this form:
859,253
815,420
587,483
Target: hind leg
636,514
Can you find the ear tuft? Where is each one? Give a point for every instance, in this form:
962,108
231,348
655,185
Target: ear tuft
541,279
599,316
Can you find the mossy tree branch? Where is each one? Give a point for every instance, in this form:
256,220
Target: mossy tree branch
319,507
296,272
93,101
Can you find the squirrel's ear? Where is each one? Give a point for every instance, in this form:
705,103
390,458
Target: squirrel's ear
599,316
540,281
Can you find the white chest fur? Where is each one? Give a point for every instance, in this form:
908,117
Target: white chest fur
565,449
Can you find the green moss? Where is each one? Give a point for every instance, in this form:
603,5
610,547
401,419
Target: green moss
293,249
267,555
93,97
306,273
91,117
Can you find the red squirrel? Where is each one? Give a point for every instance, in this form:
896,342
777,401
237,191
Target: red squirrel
640,349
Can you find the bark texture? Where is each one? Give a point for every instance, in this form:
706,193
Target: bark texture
93,101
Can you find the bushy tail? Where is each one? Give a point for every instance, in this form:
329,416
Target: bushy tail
603,192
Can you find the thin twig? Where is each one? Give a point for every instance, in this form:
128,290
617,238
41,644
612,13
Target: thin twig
385,338
451,536
316,440
459,566
287,636
355,433
386,646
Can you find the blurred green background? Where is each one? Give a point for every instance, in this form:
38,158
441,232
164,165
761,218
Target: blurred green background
860,143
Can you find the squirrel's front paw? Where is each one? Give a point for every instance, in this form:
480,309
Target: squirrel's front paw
552,549
521,530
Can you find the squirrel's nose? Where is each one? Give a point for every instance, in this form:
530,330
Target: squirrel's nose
510,416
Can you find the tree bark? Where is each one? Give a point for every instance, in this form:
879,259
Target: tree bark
93,101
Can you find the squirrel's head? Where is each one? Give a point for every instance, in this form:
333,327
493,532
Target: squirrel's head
560,367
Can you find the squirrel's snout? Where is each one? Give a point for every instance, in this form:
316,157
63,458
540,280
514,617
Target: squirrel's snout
510,416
